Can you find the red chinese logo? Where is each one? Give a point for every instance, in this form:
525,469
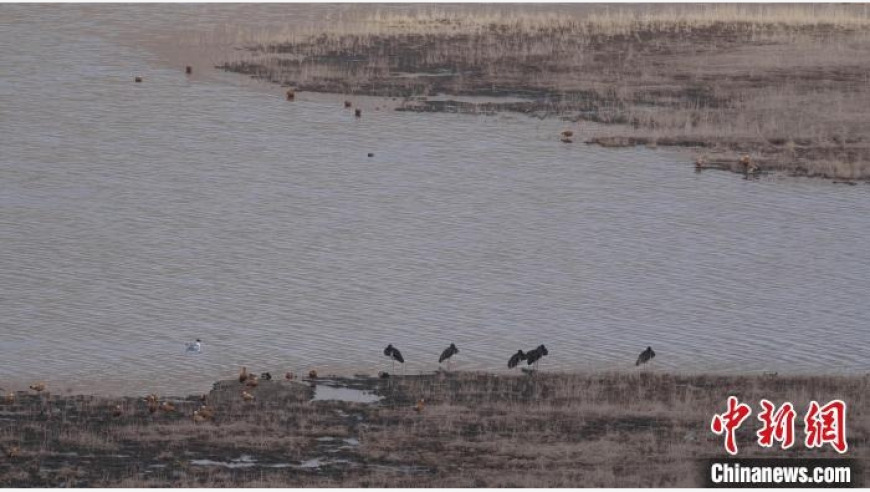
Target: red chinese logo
822,424
729,422
827,424
778,425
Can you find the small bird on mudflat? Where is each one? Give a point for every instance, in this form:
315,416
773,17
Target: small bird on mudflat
645,356
206,412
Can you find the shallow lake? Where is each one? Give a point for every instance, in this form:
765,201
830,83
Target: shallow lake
137,217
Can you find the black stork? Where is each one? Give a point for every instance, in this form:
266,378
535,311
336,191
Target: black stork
447,354
516,359
533,356
394,355
645,356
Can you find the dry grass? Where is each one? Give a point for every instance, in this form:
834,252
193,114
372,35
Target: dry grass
786,83
550,430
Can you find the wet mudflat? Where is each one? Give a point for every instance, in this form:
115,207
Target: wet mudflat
447,429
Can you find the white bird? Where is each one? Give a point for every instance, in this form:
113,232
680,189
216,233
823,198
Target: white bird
194,347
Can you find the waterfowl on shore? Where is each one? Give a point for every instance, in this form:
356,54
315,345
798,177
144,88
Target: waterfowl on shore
38,387
252,381
312,374
247,396
421,404
188,70
747,165
243,374
13,452
383,375
206,412
117,411
701,162
198,418
394,354
10,398
448,353
194,347
153,407
358,113
167,407
152,398
291,95
516,358
645,356
266,376
289,376
347,104
567,133
533,356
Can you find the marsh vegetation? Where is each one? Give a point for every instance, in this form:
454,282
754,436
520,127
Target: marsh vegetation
786,85
446,430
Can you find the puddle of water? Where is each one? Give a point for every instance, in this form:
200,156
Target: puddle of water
319,462
315,463
225,464
323,393
243,461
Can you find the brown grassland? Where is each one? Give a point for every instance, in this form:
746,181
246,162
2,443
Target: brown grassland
787,85
473,430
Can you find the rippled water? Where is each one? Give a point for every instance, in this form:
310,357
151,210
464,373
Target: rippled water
135,217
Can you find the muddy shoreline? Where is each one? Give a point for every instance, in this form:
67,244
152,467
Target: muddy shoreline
443,429
789,98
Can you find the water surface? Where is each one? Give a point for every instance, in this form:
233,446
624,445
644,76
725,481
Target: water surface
136,217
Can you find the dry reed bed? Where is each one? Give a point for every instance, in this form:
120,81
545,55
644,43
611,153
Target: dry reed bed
786,84
475,429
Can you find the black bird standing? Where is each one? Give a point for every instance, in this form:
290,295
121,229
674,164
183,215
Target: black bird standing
533,356
448,353
394,354
516,358
645,356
